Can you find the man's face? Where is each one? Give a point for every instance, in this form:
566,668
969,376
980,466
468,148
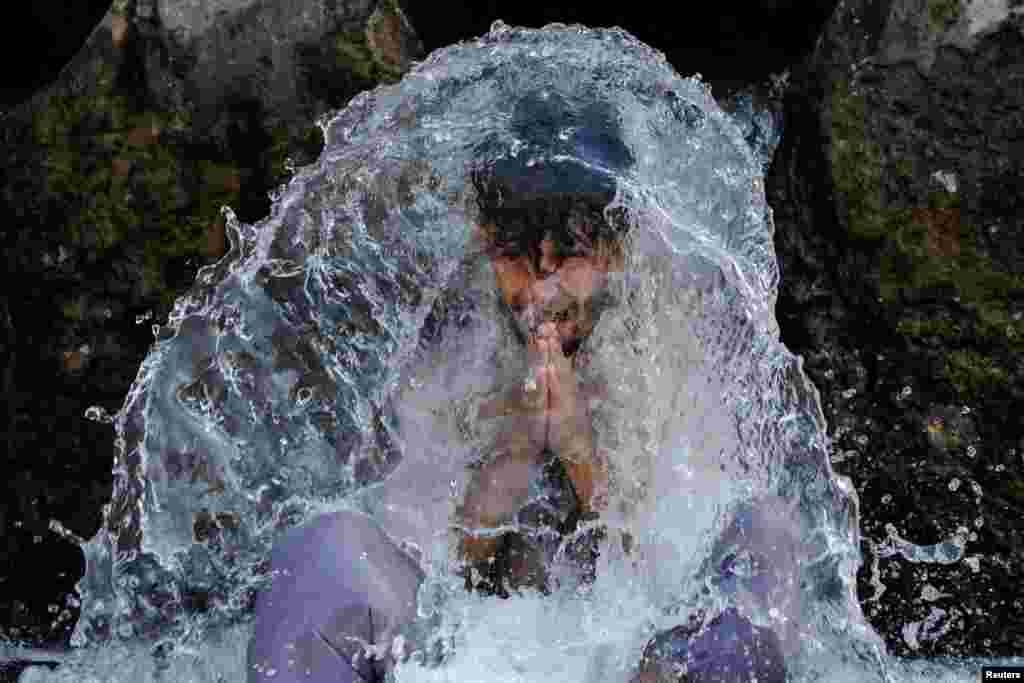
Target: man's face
555,282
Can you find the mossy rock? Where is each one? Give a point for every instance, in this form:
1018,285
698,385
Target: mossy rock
289,150
939,328
1015,489
930,247
974,374
111,165
856,162
354,52
935,246
74,309
943,13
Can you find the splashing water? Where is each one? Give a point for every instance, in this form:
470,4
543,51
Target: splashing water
336,358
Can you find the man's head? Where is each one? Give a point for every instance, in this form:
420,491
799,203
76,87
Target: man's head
551,244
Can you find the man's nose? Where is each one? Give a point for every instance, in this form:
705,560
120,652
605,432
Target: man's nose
545,289
548,262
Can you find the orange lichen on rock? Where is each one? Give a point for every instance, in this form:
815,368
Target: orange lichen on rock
233,183
216,239
118,30
384,37
74,361
143,136
943,236
120,167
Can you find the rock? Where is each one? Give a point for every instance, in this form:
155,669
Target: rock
899,216
114,181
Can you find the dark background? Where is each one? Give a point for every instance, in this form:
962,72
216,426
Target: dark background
741,41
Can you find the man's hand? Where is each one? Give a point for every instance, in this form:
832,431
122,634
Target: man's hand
545,411
569,432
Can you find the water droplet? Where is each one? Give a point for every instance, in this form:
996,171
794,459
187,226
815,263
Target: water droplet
954,484
98,414
931,593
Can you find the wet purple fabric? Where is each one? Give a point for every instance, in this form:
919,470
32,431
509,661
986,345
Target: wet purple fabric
731,650
339,582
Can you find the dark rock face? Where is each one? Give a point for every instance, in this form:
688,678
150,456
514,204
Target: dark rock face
112,182
903,287
63,26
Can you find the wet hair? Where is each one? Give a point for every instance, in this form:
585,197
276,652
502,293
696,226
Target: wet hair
519,205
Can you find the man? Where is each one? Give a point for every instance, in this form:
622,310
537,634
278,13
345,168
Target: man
551,243
551,249
339,586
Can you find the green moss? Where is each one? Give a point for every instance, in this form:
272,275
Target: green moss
278,153
929,246
856,163
907,262
313,138
943,13
353,51
76,132
916,328
185,234
952,439
120,181
302,151
904,168
973,373
998,326
1015,488
74,310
